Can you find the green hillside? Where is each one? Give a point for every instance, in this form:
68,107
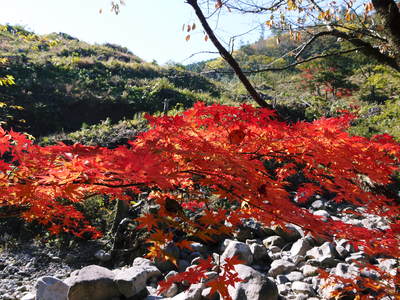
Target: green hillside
62,82
320,87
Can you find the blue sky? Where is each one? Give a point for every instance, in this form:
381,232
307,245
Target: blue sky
152,29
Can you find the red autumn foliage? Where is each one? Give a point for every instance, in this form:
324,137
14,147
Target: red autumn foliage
323,79
240,154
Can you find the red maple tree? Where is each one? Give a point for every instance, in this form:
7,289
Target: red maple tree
265,168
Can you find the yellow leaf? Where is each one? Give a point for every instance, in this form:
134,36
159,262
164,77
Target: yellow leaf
292,5
269,23
206,37
187,38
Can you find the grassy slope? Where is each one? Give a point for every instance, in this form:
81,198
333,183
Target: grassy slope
63,82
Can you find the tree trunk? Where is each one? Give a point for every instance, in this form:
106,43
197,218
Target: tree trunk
122,209
227,56
389,12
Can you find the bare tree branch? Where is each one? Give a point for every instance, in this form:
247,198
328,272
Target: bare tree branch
256,9
304,61
200,52
227,56
365,47
305,46
290,65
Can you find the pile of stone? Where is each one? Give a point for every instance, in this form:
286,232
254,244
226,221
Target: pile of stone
277,263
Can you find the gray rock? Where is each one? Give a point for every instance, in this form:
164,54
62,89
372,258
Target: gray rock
274,241
290,233
322,213
346,270
295,276
301,246
369,273
283,289
388,264
192,293
152,297
300,287
172,291
310,270
274,249
243,233
281,279
239,249
297,260
251,241
359,256
29,296
206,294
325,254
250,229
254,286
346,245
141,261
300,296
259,252
318,204
225,244
170,274
216,257
131,281
164,265
51,288
275,256
281,266
342,252
92,283
315,282
7,296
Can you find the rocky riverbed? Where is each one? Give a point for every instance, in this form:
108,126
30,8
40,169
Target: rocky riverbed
277,264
